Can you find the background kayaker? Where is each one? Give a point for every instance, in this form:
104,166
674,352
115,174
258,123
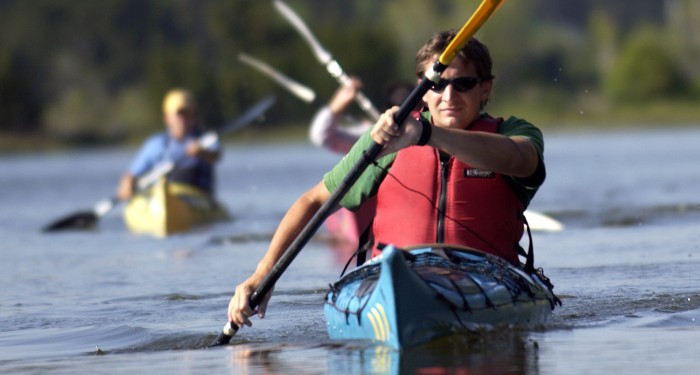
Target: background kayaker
333,129
194,164
492,168
327,129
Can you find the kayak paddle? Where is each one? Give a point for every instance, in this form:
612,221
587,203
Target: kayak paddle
432,76
297,89
88,218
324,57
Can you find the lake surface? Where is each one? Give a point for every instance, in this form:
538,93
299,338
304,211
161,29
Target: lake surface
626,266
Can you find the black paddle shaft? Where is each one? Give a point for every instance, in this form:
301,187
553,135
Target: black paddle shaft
369,155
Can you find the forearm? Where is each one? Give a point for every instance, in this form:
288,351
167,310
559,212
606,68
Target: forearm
326,132
515,156
293,222
126,187
323,123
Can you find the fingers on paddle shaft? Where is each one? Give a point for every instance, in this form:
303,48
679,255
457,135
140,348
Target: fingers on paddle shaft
226,334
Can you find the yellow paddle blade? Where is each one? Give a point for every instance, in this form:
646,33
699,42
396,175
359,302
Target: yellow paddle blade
473,24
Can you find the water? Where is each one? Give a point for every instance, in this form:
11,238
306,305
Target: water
105,301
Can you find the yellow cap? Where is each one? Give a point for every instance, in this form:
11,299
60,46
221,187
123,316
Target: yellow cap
177,100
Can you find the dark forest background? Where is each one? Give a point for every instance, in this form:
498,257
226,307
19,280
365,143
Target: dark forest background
86,72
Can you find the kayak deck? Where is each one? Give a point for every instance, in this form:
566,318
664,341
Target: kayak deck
403,299
168,208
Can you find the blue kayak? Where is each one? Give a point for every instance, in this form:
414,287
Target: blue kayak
406,298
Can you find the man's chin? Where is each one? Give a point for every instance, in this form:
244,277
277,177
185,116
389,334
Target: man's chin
451,123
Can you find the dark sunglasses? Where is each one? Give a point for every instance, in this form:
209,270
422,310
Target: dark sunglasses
459,84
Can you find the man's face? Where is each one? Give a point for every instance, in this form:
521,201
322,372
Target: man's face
180,122
457,106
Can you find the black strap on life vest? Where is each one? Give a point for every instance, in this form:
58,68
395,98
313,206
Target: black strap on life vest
365,243
530,255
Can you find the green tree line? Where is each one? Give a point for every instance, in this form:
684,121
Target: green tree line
85,71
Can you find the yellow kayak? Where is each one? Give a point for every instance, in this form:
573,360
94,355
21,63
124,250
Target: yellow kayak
168,207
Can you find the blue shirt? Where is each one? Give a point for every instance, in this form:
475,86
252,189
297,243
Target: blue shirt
160,148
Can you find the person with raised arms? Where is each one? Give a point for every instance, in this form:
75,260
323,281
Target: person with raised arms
332,129
327,129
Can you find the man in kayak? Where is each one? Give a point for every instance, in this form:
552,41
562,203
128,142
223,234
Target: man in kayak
194,164
455,176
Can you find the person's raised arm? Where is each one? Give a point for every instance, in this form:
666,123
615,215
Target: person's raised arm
325,130
125,188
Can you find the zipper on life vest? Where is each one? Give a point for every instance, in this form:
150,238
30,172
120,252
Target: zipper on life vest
442,201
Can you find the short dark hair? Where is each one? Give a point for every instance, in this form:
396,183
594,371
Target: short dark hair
473,52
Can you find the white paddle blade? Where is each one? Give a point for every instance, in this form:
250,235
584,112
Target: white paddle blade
103,206
297,89
321,54
209,139
541,222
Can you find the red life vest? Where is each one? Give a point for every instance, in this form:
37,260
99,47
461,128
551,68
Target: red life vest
422,200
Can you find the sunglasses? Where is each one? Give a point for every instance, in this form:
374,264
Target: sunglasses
459,84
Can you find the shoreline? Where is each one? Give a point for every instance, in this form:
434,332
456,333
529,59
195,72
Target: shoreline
628,119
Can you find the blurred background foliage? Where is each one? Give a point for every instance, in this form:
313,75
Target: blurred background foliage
85,72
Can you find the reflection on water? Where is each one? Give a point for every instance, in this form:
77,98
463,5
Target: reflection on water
498,352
